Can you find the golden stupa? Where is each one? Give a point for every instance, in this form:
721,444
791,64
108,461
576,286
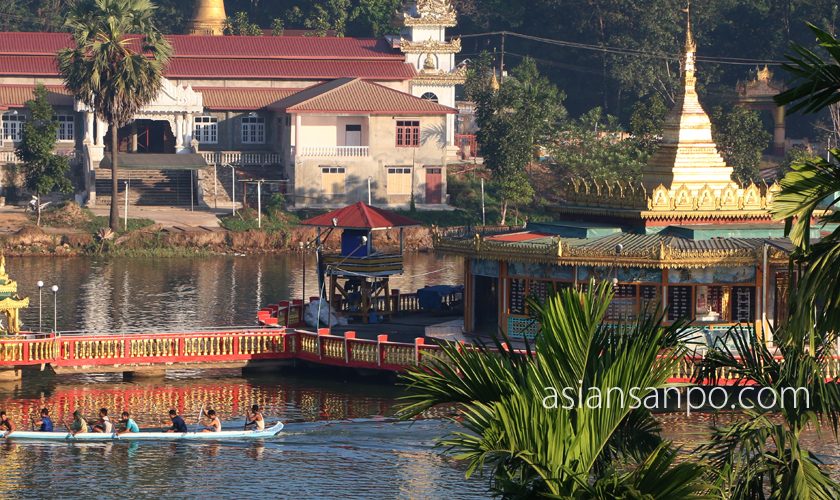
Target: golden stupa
208,18
10,303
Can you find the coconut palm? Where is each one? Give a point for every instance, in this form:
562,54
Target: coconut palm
761,452
807,185
580,448
116,66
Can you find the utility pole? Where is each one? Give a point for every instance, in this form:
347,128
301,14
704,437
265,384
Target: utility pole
502,59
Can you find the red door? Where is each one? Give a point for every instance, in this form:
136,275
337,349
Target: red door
434,186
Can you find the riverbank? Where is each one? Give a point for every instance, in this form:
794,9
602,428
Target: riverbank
70,230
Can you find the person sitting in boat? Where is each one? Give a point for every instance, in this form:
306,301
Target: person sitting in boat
104,424
215,425
255,419
5,423
79,424
129,425
45,423
178,424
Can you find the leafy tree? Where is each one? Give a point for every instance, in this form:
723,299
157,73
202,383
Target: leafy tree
646,122
532,445
514,121
376,16
240,25
595,146
110,75
277,27
44,171
741,138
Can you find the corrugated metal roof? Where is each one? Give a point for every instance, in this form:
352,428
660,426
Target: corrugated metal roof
15,96
246,47
357,96
28,65
288,69
241,98
360,216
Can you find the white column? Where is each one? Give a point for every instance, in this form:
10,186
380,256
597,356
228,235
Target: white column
189,127
297,134
101,130
89,139
179,132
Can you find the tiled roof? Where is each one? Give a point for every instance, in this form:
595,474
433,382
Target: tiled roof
349,95
287,69
15,96
241,98
195,56
360,216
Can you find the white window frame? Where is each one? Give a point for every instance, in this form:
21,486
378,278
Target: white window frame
206,129
12,127
253,130
66,131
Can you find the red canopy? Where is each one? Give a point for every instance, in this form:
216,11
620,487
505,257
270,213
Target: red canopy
360,216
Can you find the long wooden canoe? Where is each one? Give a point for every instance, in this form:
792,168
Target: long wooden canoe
143,436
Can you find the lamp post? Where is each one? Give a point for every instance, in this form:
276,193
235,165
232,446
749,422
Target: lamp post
303,272
55,308
40,289
232,186
126,204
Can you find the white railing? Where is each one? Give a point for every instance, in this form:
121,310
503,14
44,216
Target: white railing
334,151
10,157
241,158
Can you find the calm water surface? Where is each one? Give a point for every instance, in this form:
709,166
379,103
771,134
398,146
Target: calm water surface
340,441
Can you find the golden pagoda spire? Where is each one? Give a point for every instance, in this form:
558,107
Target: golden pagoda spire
208,18
10,303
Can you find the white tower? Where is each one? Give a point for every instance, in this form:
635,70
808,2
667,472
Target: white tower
425,47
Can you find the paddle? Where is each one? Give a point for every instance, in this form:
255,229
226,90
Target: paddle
200,414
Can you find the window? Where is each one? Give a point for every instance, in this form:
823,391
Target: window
408,133
399,181
333,180
253,130
429,96
206,129
66,128
13,127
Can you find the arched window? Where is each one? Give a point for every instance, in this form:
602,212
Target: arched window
429,96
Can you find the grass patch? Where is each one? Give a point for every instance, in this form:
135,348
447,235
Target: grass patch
246,220
100,222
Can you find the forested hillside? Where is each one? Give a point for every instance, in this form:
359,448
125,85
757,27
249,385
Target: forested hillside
607,53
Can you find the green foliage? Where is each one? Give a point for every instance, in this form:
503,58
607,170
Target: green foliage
465,193
240,25
440,218
646,122
819,82
273,220
793,156
741,139
571,450
109,75
513,121
376,17
44,171
100,222
277,27
594,146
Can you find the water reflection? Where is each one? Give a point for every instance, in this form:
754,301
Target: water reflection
98,294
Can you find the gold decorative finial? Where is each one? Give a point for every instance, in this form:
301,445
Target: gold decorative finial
208,18
764,75
690,46
494,83
3,267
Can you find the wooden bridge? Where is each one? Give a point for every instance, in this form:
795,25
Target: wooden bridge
154,353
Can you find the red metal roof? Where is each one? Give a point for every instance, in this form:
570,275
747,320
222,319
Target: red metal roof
15,96
28,65
241,98
287,69
352,95
360,216
518,237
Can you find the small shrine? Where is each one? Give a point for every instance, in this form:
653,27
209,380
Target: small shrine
10,303
357,278
757,93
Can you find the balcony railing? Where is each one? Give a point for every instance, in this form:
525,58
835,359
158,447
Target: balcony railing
10,157
333,151
242,159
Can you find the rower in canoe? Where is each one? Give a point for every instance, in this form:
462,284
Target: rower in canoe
254,418
45,423
214,424
79,425
5,423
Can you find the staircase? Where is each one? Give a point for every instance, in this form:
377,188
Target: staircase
148,187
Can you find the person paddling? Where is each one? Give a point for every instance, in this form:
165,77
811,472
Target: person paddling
104,425
214,425
129,425
45,423
79,425
255,418
178,423
6,424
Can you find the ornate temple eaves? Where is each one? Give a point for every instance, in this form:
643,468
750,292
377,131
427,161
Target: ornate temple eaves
432,13
453,46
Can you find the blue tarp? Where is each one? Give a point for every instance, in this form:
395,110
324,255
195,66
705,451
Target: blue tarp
431,297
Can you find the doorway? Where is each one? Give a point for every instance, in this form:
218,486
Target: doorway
151,136
486,308
434,185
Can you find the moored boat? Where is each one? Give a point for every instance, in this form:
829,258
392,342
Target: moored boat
144,436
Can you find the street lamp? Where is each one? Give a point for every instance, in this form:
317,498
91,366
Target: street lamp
126,204
55,307
303,272
40,289
232,186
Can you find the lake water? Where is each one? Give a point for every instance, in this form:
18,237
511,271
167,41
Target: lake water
340,440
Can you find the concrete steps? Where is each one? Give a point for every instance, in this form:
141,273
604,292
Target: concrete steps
148,187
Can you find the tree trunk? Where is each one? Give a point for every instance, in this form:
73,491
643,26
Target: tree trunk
114,220
504,211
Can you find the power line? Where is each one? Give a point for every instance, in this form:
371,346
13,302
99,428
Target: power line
627,51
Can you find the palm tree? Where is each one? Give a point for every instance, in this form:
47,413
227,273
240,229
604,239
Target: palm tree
809,184
576,447
116,67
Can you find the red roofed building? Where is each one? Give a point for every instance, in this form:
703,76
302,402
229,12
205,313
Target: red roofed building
342,119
